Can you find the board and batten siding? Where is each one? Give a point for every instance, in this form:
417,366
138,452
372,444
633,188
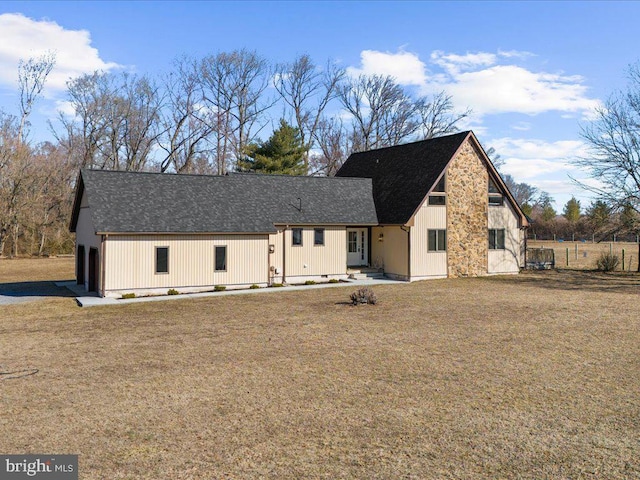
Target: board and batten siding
425,264
130,261
391,253
509,259
86,236
309,260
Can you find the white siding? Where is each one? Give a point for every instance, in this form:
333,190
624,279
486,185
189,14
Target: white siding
85,236
130,261
390,254
424,263
509,259
309,260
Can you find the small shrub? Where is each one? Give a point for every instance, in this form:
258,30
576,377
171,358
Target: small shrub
309,282
254,286
607,262
128,295
276,285
172,291
219,288
364,295
334,280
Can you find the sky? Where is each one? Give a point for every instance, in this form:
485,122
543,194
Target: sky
531,72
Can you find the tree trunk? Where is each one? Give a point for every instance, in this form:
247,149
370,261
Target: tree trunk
15,231
42,240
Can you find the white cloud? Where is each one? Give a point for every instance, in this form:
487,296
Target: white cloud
405,67
510,88
488,83
545,165
22,38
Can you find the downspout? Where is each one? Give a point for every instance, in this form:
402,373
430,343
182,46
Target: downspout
284,253
102,265
408,230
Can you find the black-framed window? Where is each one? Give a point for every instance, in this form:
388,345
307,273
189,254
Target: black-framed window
438,194
296,236
440,186
221,258
162,259
318,236
496,239
437,200
496,199
437,240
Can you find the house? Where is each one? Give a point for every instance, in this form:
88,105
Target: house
430,209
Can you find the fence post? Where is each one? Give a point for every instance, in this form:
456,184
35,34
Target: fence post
623,259
576,251
611,249
567,256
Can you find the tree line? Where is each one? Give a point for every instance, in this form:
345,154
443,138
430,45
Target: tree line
203,116
209,115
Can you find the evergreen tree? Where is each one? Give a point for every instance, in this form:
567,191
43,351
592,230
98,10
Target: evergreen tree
599,214
283,153
572,211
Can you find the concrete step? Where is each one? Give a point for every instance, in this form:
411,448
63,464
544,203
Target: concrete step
365,275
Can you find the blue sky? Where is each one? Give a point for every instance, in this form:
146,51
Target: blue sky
532,72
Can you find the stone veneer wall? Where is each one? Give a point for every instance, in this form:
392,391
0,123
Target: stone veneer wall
467,213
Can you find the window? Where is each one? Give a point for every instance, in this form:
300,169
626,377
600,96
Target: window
496,198
437,195
297,236
318,236
437,200
496,239
439,186
437,240
162,259
352,242
221,259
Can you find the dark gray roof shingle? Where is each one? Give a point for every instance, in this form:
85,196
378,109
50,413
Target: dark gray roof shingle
402,175
154,202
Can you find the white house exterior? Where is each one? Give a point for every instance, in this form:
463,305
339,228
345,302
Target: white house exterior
429,209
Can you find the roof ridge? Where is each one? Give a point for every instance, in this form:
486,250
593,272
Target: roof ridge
463,133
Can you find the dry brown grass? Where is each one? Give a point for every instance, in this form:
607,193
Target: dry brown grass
533,376
588,253
36,269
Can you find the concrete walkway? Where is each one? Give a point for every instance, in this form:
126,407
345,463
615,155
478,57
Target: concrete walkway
95,301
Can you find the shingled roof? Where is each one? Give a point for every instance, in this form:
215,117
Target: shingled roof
127,202
403,175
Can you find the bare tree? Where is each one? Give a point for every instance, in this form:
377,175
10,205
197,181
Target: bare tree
383,114
613,138
233,90
437,116
117,120
186,122
335,144
307,91
32,75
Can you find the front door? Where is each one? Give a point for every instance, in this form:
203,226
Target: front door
357,254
